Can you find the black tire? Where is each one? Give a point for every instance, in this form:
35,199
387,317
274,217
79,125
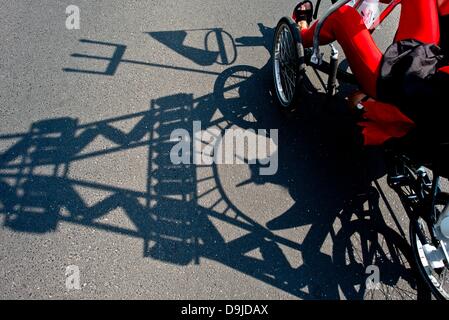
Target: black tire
288,94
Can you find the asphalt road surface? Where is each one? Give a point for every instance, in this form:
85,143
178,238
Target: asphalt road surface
87,184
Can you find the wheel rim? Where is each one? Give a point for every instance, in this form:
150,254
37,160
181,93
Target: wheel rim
439,279
284,65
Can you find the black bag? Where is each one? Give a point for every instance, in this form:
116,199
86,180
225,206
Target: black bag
409,79
407,75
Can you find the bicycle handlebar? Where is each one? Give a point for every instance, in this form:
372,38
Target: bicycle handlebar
317,7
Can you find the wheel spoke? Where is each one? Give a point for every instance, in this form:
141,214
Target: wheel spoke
284,60
286,86
290,81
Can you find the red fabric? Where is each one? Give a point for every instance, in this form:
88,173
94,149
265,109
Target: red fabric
383,121
444,69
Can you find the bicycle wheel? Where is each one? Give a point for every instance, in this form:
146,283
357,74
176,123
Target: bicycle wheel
288,64
416,191
359,246
436,278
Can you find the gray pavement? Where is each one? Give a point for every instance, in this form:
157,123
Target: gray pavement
86,180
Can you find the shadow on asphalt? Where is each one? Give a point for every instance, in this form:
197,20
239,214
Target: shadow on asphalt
328,176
